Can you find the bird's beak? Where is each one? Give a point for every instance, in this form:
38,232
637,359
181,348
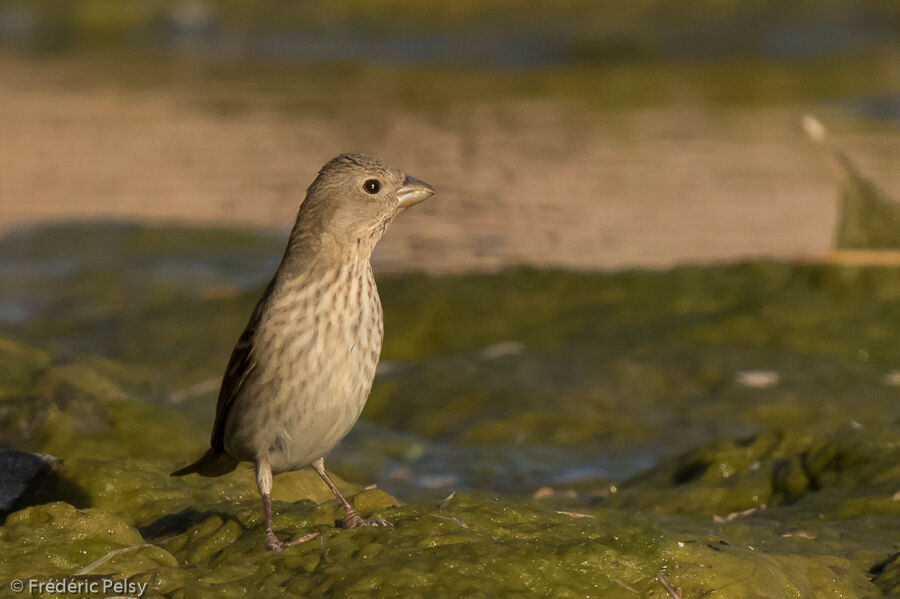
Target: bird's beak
413,192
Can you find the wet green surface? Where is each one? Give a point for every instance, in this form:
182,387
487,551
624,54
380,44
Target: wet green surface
869,217
735,427
505,381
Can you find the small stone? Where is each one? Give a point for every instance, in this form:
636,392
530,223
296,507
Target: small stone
758,379
18,471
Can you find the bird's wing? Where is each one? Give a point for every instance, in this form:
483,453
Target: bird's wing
240,365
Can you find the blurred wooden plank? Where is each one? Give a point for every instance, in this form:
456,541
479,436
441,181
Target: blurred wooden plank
864,257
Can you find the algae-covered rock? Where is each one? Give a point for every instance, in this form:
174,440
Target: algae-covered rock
862,465
868,218
481,546
468,546
476,545
547,385
21,363
817,512
116,449
601,362
743,572
143,491
85,408
57,538
887,576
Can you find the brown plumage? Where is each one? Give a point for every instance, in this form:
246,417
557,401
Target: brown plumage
301,371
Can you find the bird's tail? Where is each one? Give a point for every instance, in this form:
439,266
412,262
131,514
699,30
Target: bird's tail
211,463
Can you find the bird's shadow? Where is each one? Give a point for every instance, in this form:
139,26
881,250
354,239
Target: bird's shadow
172,525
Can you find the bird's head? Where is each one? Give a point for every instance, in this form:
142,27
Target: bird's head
355,197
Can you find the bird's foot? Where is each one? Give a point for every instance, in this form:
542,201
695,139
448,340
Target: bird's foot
354,520
273,544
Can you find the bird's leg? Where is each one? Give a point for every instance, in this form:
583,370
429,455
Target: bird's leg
264,482
351,518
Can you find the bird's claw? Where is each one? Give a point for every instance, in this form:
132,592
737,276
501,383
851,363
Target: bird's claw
273,544
354,520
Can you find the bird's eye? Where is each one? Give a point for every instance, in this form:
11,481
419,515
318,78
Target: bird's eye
372,186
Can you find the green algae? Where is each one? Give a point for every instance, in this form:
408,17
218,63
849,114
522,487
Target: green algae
601,364
77,409
869,218
534,551
776,468
478,546
618,358
787,489
828,527
887,576
57,538
116,446
21,364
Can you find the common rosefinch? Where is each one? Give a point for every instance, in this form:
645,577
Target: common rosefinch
300,373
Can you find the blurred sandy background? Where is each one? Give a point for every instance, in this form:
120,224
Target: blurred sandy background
657,158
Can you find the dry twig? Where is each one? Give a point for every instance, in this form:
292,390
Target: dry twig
575,514
96,564
450,518
625,586
446,501
741,514
664,580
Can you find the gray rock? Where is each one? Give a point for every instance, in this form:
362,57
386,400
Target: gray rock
18,472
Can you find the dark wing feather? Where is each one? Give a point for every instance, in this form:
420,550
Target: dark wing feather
240,365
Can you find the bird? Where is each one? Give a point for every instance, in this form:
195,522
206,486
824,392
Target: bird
301,371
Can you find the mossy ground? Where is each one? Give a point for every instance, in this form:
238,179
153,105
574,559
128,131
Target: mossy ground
498,385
